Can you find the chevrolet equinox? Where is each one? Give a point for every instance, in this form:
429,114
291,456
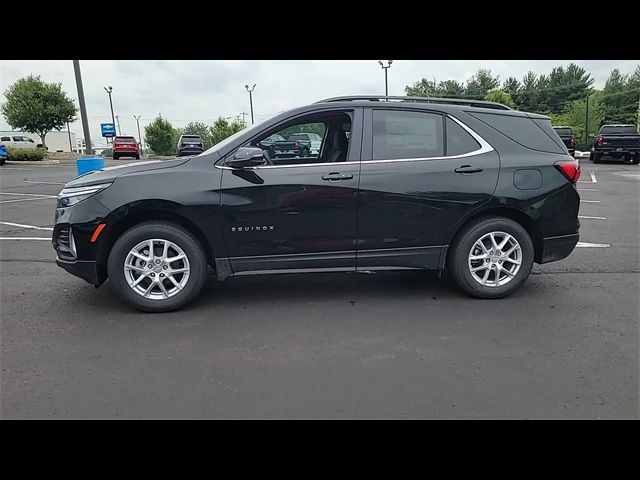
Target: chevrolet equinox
399,183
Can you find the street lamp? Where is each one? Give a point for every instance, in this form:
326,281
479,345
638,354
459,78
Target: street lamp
251,99
118,120
386,81
138,122
109,89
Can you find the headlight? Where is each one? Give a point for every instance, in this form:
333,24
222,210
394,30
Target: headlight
71,196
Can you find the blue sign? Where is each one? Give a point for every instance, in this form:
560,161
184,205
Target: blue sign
108,130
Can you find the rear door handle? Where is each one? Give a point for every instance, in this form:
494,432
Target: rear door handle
337,177
468,169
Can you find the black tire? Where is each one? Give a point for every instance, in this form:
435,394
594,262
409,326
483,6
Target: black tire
2,160
636,159
115,157
597,157
305,152
163,230
458,257
137,157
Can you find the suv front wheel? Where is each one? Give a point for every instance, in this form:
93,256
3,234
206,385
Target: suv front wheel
491,257
157,266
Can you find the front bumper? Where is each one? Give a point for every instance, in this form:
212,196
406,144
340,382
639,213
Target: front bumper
85,269
557,248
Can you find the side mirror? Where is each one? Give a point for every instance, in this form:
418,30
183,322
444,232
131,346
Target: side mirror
246,157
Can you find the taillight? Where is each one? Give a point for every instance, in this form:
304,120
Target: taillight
571,170
600,140
116,145
572,141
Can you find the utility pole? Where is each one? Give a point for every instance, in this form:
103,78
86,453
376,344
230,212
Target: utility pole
244,124
251,99
118,120
83,107
386,80
70,144
586,123
138,123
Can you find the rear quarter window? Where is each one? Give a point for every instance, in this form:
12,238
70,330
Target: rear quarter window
535,134
459,141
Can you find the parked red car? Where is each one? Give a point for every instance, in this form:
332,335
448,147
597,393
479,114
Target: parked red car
125,147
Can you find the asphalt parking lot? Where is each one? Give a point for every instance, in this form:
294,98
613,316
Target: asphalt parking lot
395,345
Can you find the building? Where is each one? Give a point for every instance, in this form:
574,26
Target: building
57,141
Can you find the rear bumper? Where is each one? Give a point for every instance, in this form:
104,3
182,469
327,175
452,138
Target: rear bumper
126,153
557,248
617,150
84,269
190,151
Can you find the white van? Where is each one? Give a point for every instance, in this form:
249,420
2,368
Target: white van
18,141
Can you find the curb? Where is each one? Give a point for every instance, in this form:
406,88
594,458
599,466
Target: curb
32,162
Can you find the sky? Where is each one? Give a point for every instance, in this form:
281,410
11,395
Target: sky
203,90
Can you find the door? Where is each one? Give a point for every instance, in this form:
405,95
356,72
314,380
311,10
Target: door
296,213
421,173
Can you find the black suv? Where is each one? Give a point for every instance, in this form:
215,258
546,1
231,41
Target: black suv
568,138
189,145
475,188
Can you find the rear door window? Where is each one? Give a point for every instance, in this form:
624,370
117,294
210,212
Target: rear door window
407,134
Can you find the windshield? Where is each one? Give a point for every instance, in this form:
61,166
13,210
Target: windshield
619,130
233,137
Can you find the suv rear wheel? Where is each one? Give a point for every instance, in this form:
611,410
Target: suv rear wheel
157,266
491,257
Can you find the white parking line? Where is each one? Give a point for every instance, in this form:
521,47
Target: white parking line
15,168
34,227
44,183
592,218
592,174
25,200
590,201
27,194
587,190
26,238
592,245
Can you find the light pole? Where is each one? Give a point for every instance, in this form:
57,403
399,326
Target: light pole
83,107
118,120
109,89
386,81
138,122
251,99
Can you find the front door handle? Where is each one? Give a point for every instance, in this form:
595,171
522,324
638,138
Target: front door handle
337,177
468,169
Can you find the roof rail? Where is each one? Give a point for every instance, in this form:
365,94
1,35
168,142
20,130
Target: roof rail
454,101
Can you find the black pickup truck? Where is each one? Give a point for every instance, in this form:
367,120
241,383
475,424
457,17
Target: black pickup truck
616,141
278,147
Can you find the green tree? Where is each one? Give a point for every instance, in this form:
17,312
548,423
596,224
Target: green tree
37,107
201,129
500,96
481,83
620,97
512,86
423,88
222,129
575,116
160,136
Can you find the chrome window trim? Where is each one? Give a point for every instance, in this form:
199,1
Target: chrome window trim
485,147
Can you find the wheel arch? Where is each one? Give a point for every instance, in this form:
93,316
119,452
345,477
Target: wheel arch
120,224
516,215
